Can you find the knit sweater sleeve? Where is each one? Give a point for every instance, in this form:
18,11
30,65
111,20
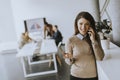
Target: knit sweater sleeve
98,51
68,49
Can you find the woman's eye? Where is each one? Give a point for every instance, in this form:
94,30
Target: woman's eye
80,23
87,24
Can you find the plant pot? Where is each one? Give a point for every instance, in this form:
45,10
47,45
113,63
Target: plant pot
105,44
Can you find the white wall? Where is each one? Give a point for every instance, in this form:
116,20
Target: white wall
7,29
3,72
59,12
112,13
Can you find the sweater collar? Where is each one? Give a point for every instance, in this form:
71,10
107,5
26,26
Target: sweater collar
80,36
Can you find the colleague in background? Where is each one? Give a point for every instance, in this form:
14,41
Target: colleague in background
83,49
48,32
52,32
24,39
57,36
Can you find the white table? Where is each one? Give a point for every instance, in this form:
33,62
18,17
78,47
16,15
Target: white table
48,47
108,69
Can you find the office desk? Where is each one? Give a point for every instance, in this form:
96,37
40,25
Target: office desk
108,69
45,47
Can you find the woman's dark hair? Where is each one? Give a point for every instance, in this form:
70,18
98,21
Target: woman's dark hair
50,33
56,26
25,23
47,25
88,17
45,22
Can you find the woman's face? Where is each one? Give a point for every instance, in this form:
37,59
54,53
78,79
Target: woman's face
83,26
48,29
54,28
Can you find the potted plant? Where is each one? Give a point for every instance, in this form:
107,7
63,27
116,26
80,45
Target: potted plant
103,30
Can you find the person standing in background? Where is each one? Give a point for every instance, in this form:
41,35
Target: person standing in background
52,32
83,49
48,32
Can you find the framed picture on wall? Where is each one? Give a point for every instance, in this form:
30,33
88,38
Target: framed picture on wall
35,27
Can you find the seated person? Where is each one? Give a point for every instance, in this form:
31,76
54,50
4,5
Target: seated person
24,39
57,36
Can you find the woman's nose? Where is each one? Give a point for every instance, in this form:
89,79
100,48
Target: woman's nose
83,26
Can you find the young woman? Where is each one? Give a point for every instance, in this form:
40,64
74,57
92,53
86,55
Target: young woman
48,32
83,49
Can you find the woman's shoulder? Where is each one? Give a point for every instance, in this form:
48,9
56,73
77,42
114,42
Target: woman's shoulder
72,38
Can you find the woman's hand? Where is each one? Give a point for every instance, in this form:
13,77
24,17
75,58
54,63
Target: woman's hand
91,34
67,55
70,56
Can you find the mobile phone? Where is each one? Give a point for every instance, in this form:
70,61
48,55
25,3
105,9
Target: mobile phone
89,33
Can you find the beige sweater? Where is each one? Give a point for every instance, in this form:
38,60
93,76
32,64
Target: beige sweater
85,62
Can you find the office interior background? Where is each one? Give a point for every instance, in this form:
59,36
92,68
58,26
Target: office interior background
57,12
61,13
